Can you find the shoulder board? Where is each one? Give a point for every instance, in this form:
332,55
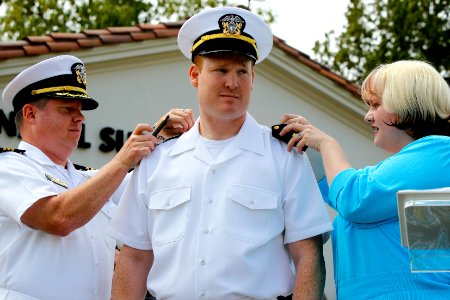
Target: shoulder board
276,129
82,168
11,150
171,138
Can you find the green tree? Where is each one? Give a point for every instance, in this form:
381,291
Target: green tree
37,17
383,31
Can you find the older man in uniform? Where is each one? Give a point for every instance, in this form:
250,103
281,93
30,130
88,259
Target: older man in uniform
223,212
53,217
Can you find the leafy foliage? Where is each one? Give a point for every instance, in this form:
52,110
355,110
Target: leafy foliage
383,31
37,17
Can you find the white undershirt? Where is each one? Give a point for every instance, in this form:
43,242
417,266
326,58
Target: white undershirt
216,147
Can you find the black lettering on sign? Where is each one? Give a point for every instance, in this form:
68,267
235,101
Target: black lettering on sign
112,139
119,139
9,124
82,144
109,144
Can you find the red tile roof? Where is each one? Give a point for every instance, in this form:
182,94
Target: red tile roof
89,38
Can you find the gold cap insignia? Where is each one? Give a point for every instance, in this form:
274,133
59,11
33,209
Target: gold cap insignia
232,24
80,71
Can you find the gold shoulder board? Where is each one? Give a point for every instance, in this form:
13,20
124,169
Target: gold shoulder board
3,149
82,168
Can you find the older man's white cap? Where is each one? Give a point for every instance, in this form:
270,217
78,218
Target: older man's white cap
62,77
229,29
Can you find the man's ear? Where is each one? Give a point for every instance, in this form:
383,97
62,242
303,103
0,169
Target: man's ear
194,72
29,111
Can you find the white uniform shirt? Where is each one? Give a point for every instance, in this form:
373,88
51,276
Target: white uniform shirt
218,228
43,266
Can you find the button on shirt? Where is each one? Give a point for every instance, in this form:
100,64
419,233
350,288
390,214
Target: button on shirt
40,265
218,227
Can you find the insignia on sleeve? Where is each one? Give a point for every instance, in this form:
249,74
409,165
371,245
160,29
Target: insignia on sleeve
5,149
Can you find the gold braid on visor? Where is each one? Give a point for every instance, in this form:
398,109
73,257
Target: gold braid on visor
224,36
59,89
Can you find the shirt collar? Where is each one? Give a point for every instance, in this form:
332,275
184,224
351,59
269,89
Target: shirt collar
36,154
249,138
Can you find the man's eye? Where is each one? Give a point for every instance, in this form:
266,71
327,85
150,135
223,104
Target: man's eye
67,109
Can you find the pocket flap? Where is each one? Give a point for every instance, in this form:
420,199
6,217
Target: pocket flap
253,198
170,197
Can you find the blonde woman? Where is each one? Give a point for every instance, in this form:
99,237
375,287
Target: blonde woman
409,109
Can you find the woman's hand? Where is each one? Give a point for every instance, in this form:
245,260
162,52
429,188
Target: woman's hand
308,135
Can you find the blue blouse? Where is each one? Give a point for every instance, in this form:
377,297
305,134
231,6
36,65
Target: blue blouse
369,260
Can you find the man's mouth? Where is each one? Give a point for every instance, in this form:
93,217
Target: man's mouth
229,96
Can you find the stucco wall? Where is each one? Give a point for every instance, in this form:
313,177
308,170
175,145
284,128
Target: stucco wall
139,82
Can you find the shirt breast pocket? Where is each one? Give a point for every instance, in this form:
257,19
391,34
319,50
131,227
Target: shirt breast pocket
168,214
253,214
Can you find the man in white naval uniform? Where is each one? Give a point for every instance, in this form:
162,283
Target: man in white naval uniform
227,213
53,217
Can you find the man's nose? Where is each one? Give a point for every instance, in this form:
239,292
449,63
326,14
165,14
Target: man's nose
231,81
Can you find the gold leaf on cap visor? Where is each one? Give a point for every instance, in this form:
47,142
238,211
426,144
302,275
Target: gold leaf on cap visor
224,36
73,95
59,89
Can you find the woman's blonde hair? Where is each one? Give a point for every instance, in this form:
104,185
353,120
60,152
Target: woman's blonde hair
415,92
